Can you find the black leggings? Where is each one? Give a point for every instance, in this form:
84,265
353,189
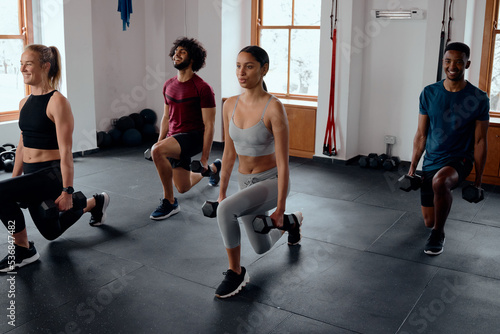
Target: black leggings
41,181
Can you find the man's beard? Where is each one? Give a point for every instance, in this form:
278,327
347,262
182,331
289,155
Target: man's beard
183,65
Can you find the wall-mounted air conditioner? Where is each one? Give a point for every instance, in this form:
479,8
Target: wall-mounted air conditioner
410,14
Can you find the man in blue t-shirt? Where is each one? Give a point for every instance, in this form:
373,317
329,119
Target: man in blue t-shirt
452,127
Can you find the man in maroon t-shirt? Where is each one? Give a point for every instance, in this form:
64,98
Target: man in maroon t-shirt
187,126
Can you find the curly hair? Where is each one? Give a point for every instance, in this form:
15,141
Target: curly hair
195,50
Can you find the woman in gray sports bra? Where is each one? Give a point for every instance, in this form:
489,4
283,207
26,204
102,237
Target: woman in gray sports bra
256,131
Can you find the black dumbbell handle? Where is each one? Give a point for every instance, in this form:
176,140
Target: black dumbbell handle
79,201
197,167
260,220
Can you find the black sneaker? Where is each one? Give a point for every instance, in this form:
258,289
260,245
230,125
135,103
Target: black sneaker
294,234
215,177
165,209
435,243
232,283
99,211
21,257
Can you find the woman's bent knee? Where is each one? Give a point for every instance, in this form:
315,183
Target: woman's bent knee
261,249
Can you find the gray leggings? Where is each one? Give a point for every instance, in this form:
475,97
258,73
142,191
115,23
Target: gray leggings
258,194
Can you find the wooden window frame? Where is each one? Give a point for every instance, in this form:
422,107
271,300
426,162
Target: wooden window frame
25,34
491,29
257,13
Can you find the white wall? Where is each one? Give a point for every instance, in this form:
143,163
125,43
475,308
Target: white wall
236,34
9,133
209,33
156,60
392,79
399,59
131,66
79,74
119,62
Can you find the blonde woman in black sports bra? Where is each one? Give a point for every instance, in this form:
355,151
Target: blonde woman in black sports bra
43,167
256,131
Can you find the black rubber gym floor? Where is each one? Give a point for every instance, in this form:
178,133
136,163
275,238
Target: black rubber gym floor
360,267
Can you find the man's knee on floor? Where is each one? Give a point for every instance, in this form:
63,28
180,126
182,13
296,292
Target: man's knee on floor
428,215
182,188
429,222
49,234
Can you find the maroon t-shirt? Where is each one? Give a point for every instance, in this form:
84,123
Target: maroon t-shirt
185,101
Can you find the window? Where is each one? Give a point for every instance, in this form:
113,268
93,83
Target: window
15,34
289,31
489,78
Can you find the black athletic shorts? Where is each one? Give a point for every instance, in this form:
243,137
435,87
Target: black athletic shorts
463,166
191,144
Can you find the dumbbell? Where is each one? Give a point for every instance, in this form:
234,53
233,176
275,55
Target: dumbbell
147,154
8,158
49,211
209,209
197,167
364,161
472,194
391,163
377,160
263,224
408,183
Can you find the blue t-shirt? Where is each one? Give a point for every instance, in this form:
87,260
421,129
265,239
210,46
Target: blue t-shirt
452,121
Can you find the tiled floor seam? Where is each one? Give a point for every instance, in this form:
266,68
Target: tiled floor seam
416,302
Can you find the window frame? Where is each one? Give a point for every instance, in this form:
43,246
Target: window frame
490,32
26,35
257,14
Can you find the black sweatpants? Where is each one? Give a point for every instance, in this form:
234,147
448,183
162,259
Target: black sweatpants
40,181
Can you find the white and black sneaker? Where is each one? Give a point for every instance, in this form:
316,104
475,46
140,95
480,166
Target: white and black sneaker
232,283
435,243
19,258
99,211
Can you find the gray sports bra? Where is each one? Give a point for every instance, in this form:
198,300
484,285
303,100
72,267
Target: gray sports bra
254,141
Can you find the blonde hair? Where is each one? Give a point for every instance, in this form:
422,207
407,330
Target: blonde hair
52,56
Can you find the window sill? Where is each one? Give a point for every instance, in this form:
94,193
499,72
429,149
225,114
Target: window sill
9,116
301,103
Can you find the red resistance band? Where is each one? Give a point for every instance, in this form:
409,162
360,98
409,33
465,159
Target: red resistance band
328,149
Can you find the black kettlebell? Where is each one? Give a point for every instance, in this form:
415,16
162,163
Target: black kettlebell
1,162
7,159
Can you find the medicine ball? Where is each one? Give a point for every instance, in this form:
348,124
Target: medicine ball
149,116
124,123
116,136
104,139
138,121
132,137
148,131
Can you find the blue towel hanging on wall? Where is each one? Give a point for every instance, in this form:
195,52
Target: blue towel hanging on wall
125,7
